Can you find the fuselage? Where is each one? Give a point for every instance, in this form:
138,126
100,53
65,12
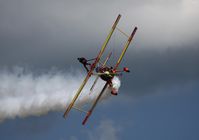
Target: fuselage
107,73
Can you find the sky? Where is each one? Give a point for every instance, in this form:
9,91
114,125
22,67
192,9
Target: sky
40,41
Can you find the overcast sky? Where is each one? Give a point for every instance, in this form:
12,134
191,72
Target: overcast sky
163,59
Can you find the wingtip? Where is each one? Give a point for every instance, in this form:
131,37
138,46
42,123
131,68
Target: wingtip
136,27
64,116
86,118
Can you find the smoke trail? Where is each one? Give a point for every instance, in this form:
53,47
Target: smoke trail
23,94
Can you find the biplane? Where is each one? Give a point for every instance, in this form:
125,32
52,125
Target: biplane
104,72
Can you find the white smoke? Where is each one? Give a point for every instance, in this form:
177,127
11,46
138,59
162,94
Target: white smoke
24,94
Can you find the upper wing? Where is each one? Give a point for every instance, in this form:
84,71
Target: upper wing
92,66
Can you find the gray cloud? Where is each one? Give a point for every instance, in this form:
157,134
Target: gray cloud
67,24
157,70
45,33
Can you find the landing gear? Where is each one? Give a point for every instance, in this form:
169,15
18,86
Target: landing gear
114,93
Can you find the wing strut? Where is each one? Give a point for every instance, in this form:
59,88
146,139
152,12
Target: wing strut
92,67
108,57
106,85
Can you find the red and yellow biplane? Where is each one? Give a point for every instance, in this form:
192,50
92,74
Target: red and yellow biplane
104,72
